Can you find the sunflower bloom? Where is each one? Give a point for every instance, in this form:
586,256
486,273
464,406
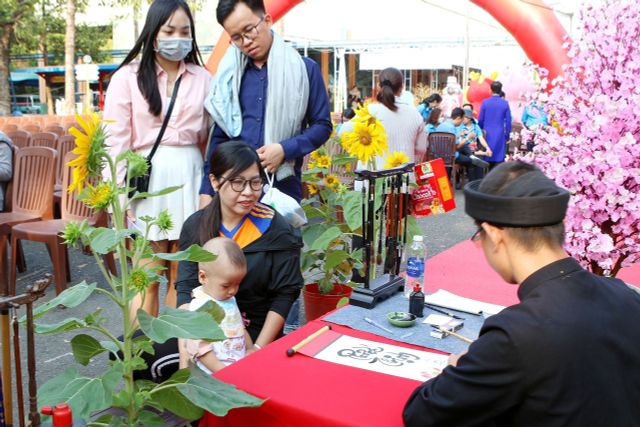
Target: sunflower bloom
89,149
97,197
363,114
395,159
323,162
314,155
332,182
312,188
366,141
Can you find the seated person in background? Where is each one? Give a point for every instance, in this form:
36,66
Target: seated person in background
567,354
452,125
428,104
471,133
6,166
220,281
433,120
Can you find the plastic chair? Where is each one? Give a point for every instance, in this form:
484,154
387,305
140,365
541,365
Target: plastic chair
64,145
32,128
57,129
33,179
442,145
44,139
48,232
20,138
10,127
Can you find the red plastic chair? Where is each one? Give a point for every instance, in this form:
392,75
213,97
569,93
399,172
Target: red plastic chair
33,179
20,138
44,139
48,232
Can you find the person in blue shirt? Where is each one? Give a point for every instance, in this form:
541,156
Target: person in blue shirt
266,94
428,104
433,121
534,117
495,118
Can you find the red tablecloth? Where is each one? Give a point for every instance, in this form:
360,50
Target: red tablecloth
303,391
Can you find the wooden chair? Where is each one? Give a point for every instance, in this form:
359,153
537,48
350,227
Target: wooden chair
20,138
48,232
55,128
33,179
10,127
442,145
44,139
32,128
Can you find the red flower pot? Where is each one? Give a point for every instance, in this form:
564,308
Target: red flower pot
317,304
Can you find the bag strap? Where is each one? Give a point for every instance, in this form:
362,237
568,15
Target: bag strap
166,119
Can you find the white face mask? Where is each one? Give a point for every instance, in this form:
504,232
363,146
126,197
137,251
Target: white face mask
174,48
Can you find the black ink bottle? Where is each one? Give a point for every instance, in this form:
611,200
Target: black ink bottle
416,301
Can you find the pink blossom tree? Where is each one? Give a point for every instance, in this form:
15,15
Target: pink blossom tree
593,149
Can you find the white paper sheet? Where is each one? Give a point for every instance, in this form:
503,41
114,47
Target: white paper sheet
447,299
384,358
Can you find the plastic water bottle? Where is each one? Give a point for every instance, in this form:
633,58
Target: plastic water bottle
415,265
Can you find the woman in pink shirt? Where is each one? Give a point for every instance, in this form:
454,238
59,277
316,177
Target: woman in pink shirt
137,101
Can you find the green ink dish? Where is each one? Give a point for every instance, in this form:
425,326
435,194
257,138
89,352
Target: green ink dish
401,319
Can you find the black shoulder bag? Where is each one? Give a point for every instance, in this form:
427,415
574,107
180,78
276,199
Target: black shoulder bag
140,184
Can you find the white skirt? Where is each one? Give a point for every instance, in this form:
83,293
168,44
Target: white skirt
171,166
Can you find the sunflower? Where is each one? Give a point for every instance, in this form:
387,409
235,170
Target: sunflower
332,181
97,197
365,141
323,162
395,159
312,188
314,155
363,114
89,148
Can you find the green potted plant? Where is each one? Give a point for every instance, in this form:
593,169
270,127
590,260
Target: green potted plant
335,217
189,391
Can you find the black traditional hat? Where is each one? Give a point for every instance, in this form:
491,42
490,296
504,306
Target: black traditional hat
529,200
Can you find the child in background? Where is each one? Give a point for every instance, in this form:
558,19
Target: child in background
220,280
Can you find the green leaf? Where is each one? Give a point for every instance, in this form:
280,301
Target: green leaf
352,208
334,259
181,324
103,240
170,398
343,159
194,253
214,395
150,419
157,193
322,242
69,298
110,346
84,347
84,395
311,233
342,301
143,343
214,310
66,325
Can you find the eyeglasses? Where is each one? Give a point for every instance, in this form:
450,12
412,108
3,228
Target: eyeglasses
477,235
239,184
250,34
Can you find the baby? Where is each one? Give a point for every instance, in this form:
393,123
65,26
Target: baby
220,280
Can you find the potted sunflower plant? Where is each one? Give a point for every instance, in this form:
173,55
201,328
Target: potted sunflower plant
334,210
130,402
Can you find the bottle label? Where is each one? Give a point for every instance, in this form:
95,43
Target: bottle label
415,267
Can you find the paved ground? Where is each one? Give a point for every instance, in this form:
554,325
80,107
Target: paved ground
54,352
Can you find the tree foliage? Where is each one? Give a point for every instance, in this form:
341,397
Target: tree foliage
593,147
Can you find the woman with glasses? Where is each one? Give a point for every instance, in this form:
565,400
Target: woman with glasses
273,280
138,101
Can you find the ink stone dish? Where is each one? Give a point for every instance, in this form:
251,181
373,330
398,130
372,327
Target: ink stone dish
401,319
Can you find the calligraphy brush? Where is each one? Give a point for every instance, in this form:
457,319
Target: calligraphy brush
382,213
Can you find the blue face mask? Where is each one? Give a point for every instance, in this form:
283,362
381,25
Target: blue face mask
174,48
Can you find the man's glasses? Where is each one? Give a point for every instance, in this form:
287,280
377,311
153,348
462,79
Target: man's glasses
239,184
250,34
477,235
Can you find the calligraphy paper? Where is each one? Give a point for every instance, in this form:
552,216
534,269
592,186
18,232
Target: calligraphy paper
374,356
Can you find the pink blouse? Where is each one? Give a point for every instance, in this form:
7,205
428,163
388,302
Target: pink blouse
130,125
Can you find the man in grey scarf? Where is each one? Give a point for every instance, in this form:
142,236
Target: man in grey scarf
265,94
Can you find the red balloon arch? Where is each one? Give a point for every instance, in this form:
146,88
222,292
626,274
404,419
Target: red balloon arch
532,23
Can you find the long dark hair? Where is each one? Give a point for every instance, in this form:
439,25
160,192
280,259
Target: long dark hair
390,83
230,158
434,116
159,12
